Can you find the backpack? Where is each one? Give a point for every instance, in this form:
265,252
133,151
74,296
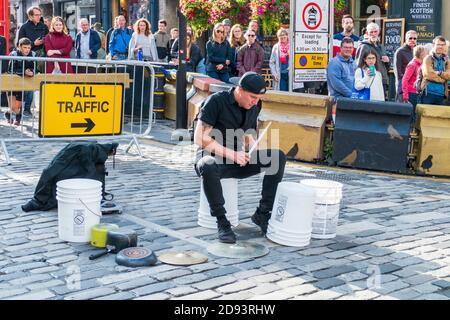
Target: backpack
419,80
418,83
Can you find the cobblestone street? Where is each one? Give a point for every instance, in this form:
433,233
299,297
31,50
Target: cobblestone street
393,237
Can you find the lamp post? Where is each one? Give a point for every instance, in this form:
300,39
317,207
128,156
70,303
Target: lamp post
181,133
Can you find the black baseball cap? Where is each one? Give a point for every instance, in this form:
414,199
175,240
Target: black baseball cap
252,82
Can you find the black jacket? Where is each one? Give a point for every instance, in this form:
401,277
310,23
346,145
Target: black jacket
76,160
33,31
217,53
401,59
18,67
194,59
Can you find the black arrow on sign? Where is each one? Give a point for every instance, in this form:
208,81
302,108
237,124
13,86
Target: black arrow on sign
89,125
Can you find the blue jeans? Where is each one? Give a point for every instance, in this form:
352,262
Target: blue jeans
413,99
433,99
222,76
284,82
28,100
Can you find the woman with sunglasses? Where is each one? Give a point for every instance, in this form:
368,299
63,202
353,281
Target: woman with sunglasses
236,41
218,55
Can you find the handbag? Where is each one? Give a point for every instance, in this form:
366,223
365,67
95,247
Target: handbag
363,94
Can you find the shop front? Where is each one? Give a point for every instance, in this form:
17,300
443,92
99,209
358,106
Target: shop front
427,17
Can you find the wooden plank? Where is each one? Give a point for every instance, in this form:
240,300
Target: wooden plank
10,82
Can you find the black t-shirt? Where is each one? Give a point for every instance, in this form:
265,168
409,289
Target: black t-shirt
223,113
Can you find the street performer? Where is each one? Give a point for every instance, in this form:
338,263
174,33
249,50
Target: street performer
224,134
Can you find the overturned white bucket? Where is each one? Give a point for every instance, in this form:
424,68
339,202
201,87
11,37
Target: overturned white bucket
230,194
327,205
291,220
78,208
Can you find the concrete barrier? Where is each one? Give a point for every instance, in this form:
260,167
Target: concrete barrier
300,120
433,155
372,135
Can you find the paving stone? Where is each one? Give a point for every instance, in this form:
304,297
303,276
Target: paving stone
389,287
164,276
181,291
190,279
156,296
418,279
405,294
236,287
441,284
30,279
136,283
203,295
329,283
117,296
425,288
90,294
334,271
153,288
264,288
222,271
12,292
322,295
23,267
37,295
214,282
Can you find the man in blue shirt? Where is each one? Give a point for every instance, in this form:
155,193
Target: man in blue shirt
120,38
341,71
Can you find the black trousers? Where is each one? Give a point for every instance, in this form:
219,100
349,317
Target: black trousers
272,162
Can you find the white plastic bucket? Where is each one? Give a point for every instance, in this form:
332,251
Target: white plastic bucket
291,220
326,212
78,208
230,194
71,185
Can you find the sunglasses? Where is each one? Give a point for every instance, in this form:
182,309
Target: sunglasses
219,31
412,38
251,35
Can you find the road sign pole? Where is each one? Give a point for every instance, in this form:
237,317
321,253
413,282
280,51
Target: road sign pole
292,45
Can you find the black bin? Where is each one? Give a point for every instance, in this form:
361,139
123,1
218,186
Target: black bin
372,135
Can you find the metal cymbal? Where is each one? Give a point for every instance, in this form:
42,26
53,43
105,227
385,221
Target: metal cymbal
184,258
241,249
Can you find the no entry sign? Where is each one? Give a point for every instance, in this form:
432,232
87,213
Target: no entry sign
312,36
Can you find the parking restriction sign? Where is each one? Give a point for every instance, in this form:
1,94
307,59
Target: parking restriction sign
312,34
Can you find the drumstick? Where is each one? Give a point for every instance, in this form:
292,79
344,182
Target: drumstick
253,148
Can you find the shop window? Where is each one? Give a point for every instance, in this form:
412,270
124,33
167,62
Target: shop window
366,11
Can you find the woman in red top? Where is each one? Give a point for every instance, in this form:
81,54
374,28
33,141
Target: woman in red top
58,44
411,74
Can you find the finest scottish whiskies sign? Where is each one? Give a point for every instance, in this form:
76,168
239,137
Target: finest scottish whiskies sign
424,16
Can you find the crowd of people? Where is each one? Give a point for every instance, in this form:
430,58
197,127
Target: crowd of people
360,68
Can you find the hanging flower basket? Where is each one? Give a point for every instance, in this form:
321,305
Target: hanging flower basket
271,13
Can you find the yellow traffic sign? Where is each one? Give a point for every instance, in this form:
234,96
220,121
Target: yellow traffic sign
80,109
311,60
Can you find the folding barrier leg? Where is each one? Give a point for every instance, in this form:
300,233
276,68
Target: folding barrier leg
5,151
138,146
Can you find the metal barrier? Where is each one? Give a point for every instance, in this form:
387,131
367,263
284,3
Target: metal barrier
118,94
